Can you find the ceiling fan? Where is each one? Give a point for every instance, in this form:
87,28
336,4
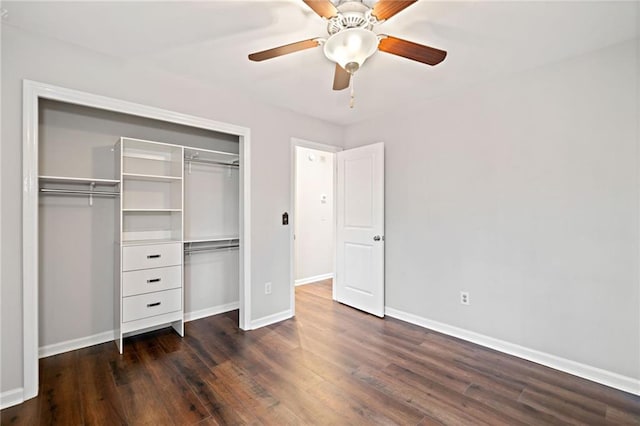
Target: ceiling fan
352,39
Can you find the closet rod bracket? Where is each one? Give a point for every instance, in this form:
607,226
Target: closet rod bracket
92,187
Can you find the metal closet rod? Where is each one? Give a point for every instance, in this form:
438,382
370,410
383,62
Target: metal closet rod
79,192
194,250
222,163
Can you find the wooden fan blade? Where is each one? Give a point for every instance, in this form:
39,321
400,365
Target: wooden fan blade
284,50
324,8
341,78
385,9
410,50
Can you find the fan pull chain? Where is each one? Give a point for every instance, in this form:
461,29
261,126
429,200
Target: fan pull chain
353,92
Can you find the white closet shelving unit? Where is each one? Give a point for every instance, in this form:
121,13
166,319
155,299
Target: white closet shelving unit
177,235
149,291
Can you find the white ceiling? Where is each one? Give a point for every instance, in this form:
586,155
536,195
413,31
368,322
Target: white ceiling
209,41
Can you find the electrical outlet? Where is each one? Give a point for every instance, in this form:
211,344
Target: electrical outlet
464,298
267,288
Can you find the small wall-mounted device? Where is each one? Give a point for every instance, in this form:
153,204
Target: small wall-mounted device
285,218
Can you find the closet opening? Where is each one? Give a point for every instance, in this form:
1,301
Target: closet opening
313,240
139,225
70,143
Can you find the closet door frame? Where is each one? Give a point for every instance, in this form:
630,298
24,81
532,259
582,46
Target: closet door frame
32,93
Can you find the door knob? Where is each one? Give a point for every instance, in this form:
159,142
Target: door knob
376,238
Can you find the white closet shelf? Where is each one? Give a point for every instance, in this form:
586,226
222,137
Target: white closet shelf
156,178
211,157
150,241
79,180
189,152
150,210
212,239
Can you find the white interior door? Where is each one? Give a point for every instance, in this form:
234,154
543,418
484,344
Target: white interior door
359,278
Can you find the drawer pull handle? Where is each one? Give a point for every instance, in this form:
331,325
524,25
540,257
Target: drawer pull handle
155,280
153,256
151,305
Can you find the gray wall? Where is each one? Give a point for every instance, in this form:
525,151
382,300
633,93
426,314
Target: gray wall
28,56
523,192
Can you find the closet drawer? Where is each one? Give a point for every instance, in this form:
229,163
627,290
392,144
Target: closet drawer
150,304
150,280
151,256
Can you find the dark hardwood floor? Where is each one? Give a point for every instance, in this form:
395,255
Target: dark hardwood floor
329,365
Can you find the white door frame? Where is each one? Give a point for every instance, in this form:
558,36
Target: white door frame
31,95
296,142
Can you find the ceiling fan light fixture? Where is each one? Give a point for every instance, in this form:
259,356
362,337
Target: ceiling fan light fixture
351,47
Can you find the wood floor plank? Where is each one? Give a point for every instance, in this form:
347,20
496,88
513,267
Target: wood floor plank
330,365
456,400
351,412
428,421
127,368
143,404
182,402
512,407
219,403
25,414
395,410
60,402
209,421
297,396
171,388
254,397
565,410
226,406
97,390
422,399
616,416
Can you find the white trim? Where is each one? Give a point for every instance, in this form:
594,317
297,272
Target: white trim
315,145
215,310
30,240
73,344
271,319
32,93
309,280
598,375
296,142
245,231
11,397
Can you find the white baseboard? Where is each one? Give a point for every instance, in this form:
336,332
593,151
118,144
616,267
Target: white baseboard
73,344
215,310
271,319
608,378
11,397
309,280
